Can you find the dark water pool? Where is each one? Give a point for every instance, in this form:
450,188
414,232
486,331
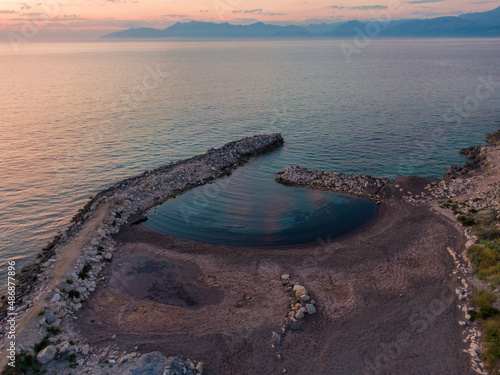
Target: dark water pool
250,209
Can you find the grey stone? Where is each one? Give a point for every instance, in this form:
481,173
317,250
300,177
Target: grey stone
46,355
304,297
310,308
50,317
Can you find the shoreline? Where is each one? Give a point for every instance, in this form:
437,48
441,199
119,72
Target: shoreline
67,256
109,239
30,272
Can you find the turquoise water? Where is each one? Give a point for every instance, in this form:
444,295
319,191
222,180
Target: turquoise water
76,118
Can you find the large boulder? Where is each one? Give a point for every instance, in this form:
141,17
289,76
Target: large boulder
46,355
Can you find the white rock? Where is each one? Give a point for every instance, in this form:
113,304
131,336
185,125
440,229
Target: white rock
299,290
64,347
199,367
56,298
47,354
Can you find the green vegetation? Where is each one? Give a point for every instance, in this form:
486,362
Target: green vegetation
41,345
83,274
53,331
467,220
25,365
489,318
103,362
73,294
485,258
491,329
41,312
69,281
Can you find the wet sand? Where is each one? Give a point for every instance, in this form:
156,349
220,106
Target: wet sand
385,296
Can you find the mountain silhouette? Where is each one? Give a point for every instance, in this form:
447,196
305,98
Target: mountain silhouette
484,24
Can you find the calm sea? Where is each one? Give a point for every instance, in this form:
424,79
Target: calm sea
75,118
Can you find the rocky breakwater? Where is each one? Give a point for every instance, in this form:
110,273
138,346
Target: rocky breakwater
64,274
354,184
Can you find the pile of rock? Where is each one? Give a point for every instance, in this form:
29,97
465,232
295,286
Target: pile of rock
127,199
355,184
494,138
302,303
472,334
177,366
447,189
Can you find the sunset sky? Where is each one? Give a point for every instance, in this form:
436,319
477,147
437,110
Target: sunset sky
97,17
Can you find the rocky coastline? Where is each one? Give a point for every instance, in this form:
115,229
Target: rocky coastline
150,189
56,291
72,267
466,190
358,185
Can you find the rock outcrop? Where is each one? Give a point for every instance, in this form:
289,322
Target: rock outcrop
355,184
494,138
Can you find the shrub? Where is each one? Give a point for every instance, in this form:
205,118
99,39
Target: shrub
487,312
484,299
85,271
41,345
492,341
25,364
73,294
468,221
53,331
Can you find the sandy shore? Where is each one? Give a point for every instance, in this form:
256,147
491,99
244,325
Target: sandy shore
386,294
385,298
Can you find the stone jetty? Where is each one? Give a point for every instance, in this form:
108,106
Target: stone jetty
355,184
68,270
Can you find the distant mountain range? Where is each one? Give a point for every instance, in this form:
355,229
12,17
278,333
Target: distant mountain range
485,24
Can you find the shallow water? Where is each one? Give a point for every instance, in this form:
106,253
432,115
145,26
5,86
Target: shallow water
77,117
250,209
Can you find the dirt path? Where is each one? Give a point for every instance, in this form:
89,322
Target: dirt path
27,327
